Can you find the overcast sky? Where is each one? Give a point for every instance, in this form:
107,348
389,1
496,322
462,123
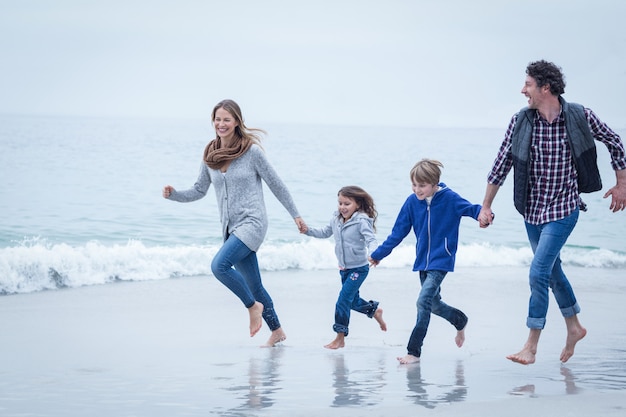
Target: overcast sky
382,62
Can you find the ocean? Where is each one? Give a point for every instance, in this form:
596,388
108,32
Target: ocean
81,200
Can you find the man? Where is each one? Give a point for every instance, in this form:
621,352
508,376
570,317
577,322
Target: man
550,144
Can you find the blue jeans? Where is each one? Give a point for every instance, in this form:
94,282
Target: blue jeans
237,268
546,241
429,301
349,298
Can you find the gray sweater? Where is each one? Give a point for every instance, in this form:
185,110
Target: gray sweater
239,193
354,239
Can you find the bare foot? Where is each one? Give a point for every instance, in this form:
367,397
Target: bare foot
337,343
460,337
276,337
256,320
378,316
406,359
573,336
526,356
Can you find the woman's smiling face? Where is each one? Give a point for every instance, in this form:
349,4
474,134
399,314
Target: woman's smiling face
224,124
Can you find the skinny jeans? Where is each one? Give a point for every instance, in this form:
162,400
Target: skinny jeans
236,266
350,299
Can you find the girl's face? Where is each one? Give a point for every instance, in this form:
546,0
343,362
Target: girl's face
224,124
347,206
423,190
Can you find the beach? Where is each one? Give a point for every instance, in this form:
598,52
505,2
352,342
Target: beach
180,347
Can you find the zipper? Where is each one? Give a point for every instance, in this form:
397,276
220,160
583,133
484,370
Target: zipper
428,233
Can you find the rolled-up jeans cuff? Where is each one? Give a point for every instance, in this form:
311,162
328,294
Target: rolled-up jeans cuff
570,311
535,323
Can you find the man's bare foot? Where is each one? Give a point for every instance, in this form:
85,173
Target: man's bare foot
337,343
408,358
573,336
378,316
256,320
276,337
526,356
460,337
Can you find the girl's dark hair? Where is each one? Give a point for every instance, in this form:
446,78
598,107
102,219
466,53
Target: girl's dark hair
363,200
547,73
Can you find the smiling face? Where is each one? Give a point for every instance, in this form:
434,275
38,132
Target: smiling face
225,124
423,190
347,206
534,93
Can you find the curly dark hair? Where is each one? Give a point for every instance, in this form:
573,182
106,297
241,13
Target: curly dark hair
547,73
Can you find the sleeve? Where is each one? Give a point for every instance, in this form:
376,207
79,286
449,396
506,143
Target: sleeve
611,140
401,228
367,231
321,232
467,209
273,181
504,160
198,190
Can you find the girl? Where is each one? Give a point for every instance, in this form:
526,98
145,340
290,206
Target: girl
353,228
235,164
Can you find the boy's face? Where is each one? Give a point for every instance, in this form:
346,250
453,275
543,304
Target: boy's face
423,190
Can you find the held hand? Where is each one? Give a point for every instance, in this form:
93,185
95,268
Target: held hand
485,217
373,262
618,197
167,191
302,227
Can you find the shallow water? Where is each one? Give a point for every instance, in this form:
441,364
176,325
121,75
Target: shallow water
178,347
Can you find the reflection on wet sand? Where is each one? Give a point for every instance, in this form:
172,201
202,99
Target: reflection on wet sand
357,388
264,381
568,378
427,395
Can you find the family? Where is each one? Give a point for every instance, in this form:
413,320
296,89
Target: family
549,144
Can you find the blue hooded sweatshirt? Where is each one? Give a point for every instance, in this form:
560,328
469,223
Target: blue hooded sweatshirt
436,227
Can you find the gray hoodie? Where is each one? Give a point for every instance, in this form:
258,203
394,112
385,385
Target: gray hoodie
239,193
354,239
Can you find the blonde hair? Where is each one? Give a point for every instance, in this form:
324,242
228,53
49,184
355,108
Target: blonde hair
426,171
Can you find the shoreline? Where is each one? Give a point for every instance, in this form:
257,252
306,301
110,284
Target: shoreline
181,347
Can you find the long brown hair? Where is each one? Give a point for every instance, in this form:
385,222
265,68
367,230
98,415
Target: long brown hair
363,200
215,155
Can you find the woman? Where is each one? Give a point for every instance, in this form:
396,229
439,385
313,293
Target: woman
235,164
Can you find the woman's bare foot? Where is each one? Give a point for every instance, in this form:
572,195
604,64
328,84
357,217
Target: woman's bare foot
408,358
256,320
378,316
574,334
337,343
276,337
460,337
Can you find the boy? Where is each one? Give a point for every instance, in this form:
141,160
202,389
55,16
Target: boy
434,212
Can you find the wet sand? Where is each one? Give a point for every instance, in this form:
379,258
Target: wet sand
181,347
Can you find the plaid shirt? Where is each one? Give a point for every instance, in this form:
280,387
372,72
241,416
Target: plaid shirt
553,192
